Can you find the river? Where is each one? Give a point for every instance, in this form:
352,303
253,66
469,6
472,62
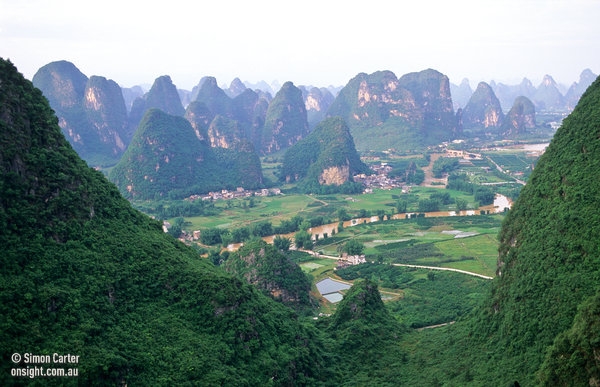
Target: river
500,203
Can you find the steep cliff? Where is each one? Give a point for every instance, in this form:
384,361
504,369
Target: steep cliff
91,111
317,102
520,118
286,120
327,156
83,273
483,112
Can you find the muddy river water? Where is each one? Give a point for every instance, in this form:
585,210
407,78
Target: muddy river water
500,203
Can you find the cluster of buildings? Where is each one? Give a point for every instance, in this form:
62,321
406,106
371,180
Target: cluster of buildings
349,260
379,179
238,193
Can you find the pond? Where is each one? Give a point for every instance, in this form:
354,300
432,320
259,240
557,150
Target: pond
331,289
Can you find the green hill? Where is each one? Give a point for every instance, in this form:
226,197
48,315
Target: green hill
549,261
326,157
286,120
270,270
84,273
165,158
384,112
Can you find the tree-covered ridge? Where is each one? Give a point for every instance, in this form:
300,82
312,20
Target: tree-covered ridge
84,273
286,120
327,156
166,157
270,270
549,260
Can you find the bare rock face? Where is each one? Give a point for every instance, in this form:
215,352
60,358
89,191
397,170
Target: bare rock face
336,175
483,110
91,111
548,97
317,102
105,107
418,106
520,118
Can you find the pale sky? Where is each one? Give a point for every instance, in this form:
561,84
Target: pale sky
309,42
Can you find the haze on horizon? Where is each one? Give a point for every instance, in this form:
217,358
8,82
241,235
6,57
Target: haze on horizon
318,43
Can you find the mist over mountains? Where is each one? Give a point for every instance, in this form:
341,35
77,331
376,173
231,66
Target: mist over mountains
382,111
83,272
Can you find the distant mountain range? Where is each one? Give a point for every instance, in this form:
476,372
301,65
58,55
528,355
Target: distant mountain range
382,112
84,273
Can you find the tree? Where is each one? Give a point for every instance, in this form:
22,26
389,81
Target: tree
177,227
282,243
354,247
401,206
303,240
342,215
461,204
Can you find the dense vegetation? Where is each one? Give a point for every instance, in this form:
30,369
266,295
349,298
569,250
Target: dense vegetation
329,145
166,159
269,269
82,272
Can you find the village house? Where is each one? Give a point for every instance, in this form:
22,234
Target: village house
350,260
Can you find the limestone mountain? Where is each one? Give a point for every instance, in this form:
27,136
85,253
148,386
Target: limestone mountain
86,274
548,96
215,99
431,90
250,110
586,78
384,112
507,94
326,157
461,93
520,118
483,112
317,102
368,101
91,111
236,88
286,120
165,157
265,267
162,95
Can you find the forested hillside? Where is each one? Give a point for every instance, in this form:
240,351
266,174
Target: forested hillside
539,325
83,273
166,159
325,160
86,274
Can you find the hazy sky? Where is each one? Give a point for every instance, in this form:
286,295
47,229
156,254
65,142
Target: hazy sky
310,42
